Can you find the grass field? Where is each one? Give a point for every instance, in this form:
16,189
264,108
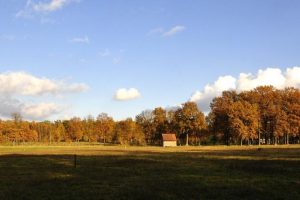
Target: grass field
104,172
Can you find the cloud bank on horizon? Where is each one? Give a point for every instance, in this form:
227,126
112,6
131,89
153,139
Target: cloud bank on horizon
22,92
19,92
247,81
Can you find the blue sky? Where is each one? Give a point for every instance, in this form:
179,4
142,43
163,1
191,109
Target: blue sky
166,50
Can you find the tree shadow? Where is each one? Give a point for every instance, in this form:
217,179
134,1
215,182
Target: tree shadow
155,175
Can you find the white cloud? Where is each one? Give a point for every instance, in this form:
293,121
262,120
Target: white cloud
160,31
42,7
247,81
293,77
105,53
203,98
40,111
155,31
50,6
9,105
84,39
19,90
124,94
22,83
173,31
269,76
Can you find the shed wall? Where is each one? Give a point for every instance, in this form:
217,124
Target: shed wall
169,144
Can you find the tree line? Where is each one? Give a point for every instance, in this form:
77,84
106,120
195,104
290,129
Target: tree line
264,115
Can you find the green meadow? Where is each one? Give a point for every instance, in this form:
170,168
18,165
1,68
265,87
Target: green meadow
120,172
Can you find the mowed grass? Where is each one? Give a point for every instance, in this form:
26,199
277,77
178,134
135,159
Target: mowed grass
104,172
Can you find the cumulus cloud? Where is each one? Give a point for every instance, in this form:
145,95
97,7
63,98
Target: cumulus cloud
173,31
293,77
204,97
269,76
32,7
9,105
19,89
40,110
84,39
21,83
247,81
125,94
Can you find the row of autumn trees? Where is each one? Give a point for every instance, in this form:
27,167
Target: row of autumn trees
264,115
102,129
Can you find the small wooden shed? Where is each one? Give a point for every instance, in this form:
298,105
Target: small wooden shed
169,140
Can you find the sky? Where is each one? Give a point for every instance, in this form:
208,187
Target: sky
65,58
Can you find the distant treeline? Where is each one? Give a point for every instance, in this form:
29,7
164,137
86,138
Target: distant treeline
264,114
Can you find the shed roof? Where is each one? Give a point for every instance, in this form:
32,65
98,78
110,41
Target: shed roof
169,137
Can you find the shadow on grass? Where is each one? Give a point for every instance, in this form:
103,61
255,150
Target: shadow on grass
189,175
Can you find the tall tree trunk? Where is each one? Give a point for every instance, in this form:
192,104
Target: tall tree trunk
187,140
226,138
